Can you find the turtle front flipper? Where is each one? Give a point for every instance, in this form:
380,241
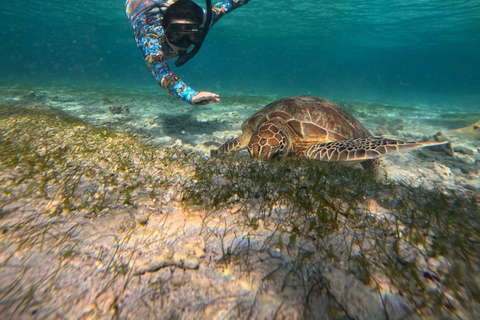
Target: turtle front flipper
362,149
232,145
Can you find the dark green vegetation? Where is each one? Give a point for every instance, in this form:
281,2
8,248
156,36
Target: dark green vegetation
391,230
59,176
420,244
51,154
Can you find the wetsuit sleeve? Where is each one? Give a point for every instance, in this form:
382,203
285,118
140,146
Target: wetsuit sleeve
224,7
151,41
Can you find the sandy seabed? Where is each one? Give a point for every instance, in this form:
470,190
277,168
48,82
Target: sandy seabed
95,221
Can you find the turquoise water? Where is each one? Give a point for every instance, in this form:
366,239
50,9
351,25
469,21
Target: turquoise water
336,49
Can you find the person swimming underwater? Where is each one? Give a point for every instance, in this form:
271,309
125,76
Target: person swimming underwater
165,29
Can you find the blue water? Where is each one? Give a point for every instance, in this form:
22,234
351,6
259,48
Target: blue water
333,48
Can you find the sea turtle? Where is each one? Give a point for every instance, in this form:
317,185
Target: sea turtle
315,128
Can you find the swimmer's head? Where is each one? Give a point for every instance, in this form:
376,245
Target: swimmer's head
183,24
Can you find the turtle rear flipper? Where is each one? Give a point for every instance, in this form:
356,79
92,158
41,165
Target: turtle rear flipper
362,149
232,145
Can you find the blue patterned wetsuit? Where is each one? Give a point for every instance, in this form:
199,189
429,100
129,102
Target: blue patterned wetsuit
145,18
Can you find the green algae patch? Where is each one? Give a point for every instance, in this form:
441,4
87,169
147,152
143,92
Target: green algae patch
66,187
97,223
391,236
49,154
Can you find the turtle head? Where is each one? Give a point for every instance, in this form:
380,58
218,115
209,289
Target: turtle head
268,142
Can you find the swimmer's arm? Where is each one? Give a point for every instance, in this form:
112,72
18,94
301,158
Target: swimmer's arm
226,6
150,41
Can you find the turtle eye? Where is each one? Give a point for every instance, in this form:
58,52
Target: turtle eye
281,146
276,152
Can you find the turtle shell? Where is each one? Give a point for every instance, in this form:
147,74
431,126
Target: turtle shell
310,120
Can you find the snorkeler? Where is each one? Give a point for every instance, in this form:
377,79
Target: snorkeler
165,29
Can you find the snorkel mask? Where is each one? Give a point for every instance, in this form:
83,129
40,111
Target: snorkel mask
184,35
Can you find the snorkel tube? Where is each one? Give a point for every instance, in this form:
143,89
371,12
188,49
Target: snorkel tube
183,58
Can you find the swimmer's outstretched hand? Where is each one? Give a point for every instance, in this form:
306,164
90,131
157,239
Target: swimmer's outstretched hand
204,97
